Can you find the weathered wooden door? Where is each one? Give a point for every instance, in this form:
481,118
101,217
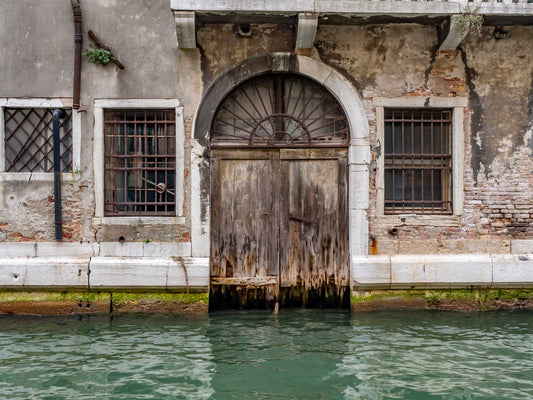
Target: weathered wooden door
244,229
313,241
278,195
278,227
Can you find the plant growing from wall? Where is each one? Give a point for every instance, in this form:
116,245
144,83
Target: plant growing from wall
99,56
470,21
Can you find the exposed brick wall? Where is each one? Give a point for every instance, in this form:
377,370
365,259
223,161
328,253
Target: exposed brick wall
496,77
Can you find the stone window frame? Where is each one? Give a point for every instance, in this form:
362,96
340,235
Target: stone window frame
100,105
51,103
458,106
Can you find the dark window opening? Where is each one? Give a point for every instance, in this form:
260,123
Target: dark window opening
28,140
140,162
418,161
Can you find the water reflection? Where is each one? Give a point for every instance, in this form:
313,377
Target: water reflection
144,356
290,356
298,354
439,355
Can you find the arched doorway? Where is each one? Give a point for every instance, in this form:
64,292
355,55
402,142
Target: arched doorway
279,197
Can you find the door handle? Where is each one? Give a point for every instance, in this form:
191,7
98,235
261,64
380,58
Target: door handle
301,219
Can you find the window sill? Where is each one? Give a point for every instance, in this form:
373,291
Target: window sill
419,220
139,220
38,176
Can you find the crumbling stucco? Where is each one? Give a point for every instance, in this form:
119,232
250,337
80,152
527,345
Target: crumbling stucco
391,60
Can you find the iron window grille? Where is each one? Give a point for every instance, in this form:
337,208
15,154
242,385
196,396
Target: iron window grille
418,161
28,140
140,162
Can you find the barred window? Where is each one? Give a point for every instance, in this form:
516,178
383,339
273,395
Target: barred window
140,162
28,140
418,161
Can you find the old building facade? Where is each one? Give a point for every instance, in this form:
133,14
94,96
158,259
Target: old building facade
303,151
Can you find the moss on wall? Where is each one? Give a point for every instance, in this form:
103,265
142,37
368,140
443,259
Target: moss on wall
443,299
63,303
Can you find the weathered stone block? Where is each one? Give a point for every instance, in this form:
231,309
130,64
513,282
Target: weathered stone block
522,246
370,272
11,249
435,270
117,249
124,272
59,249
12,272
57,273
167,249
195,275
511,270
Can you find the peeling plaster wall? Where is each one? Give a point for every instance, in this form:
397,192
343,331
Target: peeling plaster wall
39,39
496,76
221,45
379,60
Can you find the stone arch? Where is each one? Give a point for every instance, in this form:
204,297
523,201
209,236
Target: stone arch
359,151
325,75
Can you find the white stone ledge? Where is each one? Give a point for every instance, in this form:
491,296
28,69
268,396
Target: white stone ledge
18,249
511,270
139,220
56,273
53,273
64,249
104,273
37,176
418,220
105,249
371,271
432,271
435,270
385,7
146,273
141,249
420,101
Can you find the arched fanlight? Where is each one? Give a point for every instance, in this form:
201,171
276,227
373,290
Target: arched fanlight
279,110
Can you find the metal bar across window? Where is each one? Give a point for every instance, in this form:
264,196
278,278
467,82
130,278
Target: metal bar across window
418,161
140,162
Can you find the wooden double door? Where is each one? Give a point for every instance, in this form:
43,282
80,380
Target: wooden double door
279,227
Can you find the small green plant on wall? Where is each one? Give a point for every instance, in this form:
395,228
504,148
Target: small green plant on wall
470,21
99,56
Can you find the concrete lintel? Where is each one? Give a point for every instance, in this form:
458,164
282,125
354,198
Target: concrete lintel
458,29
306,32
185,29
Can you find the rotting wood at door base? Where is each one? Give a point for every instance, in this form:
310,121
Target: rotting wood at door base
279,220
250,282
249,297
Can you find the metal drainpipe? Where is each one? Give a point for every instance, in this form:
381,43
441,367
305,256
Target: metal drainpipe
78,39
57,172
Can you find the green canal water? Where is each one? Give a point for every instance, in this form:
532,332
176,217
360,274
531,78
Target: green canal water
298,354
